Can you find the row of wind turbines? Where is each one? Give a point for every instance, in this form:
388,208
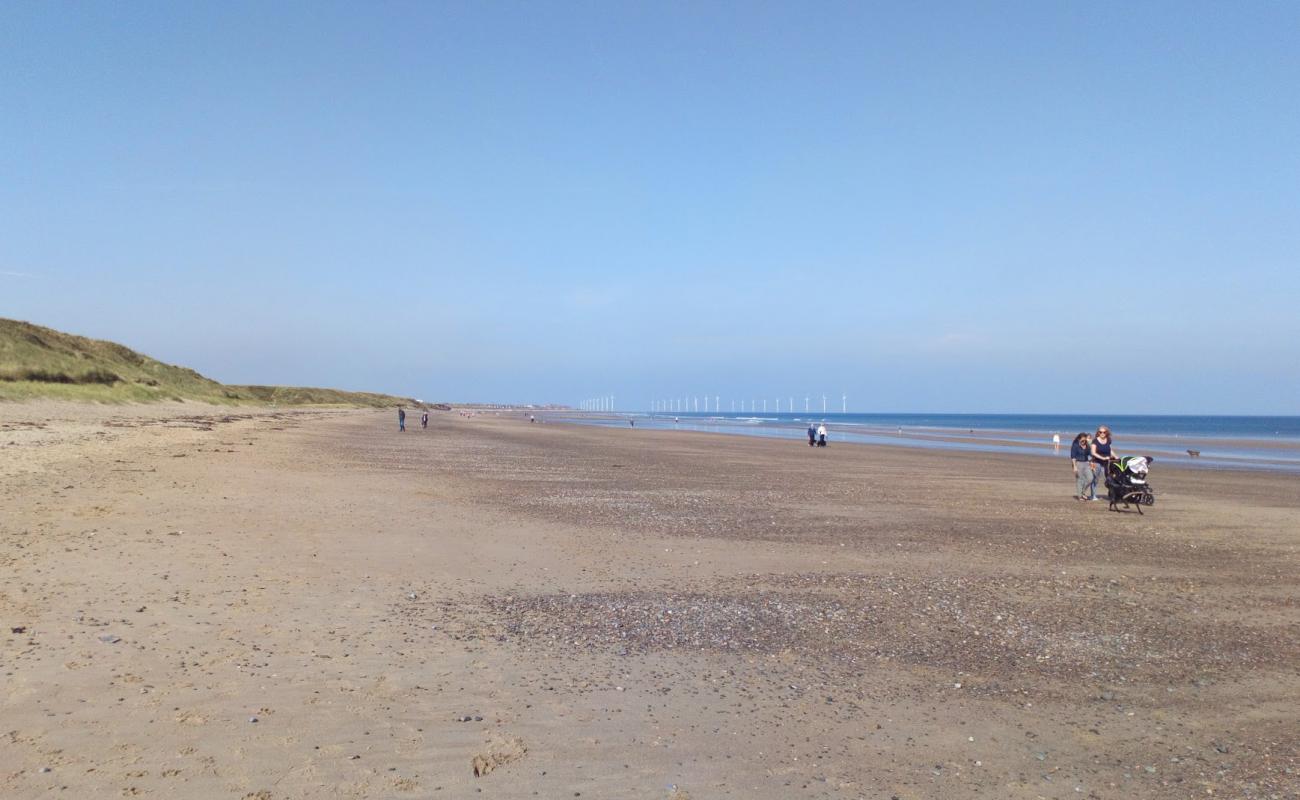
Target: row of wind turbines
597,404
691,405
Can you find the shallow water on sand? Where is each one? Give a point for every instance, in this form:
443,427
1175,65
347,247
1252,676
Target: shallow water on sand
1223,441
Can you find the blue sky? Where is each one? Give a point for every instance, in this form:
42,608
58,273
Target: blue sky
934,207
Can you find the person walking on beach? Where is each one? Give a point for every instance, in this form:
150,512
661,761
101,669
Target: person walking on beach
401,419
1102,454
1056,442
1081,461
812,434
821,435
424,420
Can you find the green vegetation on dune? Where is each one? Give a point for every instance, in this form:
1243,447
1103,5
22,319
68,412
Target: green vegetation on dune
304,395
38,362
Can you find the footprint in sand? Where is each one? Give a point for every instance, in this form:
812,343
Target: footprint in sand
498,752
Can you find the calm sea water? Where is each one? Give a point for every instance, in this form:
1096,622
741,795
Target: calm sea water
1224,441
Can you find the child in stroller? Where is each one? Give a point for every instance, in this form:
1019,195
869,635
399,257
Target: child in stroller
1126,482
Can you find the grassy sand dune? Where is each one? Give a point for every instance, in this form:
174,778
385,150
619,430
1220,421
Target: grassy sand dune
39,362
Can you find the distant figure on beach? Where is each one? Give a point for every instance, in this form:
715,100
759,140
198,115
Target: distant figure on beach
401,419
532,417
1081,461
812,434
821,435
1056,442
1102,454
424,420
632,422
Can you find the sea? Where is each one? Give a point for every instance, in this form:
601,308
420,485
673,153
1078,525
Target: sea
1234,442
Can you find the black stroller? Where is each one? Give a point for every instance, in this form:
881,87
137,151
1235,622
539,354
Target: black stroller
1126,482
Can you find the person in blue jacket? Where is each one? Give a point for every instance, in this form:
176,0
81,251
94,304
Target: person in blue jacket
1081,460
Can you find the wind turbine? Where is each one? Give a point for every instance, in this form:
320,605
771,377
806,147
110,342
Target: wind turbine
845,400
805,404
823,404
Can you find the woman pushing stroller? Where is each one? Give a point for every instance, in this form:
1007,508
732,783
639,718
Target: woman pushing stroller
1095,462
1102,453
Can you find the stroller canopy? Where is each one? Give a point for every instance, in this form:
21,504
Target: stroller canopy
1136,465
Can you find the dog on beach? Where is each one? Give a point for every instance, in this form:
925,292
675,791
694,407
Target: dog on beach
1194,453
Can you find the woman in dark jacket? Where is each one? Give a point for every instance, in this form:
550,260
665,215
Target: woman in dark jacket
1081,460
1102,454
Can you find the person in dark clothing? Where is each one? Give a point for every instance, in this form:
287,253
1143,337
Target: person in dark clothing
812,434
1081,460
1102,454
424,420
401,419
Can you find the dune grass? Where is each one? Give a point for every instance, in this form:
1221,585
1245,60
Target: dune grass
38,362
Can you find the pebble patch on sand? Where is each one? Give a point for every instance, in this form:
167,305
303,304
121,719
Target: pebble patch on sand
1100,630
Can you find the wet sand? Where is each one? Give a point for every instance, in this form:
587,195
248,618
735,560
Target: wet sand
1217,452
205,602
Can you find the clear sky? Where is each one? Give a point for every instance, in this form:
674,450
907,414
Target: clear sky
1061,206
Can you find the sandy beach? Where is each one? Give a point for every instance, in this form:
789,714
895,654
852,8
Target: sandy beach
206,602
